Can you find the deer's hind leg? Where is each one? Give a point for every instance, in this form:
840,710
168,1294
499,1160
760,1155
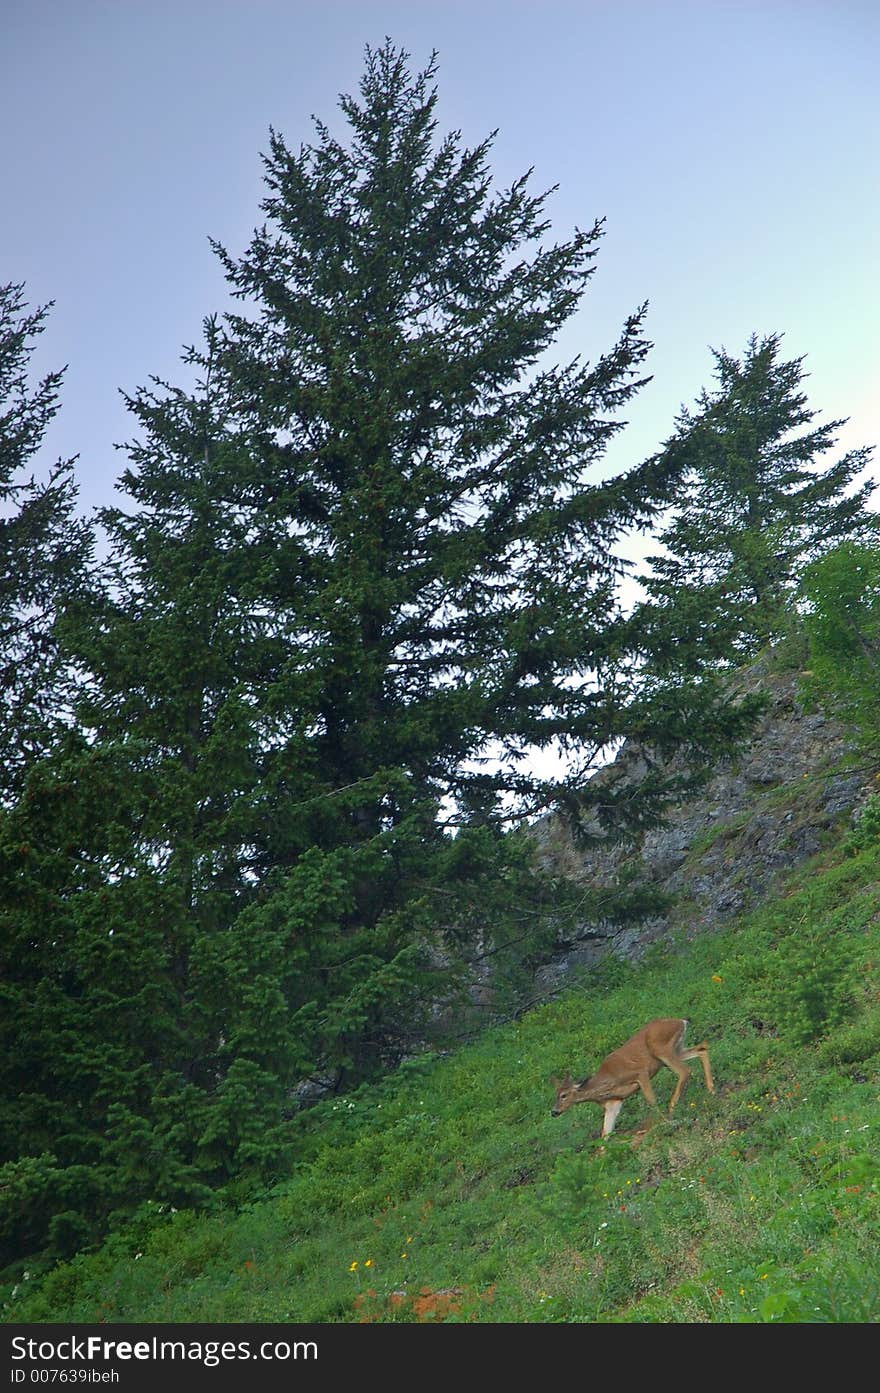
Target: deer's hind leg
701,1052
675,1062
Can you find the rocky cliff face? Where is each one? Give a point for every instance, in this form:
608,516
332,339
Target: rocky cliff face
720,852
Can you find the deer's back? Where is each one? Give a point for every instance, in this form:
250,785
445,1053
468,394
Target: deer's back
639,1052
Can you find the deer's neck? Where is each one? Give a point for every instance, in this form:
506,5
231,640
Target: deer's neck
592,1089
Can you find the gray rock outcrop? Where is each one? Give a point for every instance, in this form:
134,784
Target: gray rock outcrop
720,851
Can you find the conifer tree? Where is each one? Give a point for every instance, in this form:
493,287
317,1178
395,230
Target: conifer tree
376,525
459,566
146,1042
758,503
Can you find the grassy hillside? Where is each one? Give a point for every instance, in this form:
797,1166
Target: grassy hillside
449,1192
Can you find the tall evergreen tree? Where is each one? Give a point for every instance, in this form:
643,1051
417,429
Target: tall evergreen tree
366,577
144,1052
758,504
430,475
460,573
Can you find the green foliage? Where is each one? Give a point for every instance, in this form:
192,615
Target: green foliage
811,987
264,836
758,1204
755,508
363,571
866,832
841,592
855,1043
25,1185
44,551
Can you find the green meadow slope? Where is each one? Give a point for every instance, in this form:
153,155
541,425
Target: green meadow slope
448,1192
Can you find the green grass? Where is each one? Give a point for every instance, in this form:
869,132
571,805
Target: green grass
449,1192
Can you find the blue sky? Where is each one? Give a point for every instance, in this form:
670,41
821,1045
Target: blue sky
731,147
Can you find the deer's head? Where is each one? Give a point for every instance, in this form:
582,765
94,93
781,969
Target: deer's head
567,1092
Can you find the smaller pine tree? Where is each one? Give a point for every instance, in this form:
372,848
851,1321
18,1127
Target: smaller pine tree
757,505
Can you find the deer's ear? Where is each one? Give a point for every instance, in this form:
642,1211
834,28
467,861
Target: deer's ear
567,1081
555,1082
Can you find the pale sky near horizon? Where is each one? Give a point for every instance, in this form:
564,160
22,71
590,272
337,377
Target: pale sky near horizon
731,147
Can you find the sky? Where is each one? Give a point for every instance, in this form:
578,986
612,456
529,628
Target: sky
730,145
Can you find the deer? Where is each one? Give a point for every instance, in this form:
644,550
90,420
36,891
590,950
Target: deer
631,1067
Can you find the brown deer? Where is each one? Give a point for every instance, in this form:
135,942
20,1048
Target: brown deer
631,1067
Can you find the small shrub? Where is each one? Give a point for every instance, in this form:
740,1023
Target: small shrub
811,988
866,832
854,1043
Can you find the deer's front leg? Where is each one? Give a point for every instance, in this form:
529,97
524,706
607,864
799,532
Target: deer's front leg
612,1108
